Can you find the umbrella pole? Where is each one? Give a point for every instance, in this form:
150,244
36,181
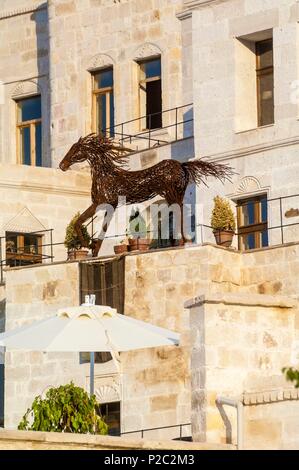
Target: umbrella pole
91,384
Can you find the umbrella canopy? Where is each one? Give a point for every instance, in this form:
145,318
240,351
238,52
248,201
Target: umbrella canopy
88,329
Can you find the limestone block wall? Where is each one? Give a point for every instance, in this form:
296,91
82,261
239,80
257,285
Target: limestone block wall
225,113
155,384
271,271
49,197
130,30
240,344
24,69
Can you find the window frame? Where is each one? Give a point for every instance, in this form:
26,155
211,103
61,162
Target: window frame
142,87
258,227
260,73
31,124
96,92
20,254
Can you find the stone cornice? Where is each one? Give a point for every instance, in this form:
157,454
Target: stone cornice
194,4
252,300
21,11
254,149
32,187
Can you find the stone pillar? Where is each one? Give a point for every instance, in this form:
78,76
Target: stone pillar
240,343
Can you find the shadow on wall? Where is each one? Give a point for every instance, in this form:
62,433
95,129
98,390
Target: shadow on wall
41,19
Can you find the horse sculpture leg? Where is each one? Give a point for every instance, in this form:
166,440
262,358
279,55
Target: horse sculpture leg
83,217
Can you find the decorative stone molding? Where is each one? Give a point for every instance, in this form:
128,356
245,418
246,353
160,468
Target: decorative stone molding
100,61
248,184
24,222
147,50
253,300
270,396
107,389
25,88
21,11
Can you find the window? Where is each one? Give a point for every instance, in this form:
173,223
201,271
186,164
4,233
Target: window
252,223
103,102
265,82
111,414
23,249
150,93
29,129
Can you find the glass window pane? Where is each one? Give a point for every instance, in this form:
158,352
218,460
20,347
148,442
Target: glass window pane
38,144
31,244
25,146
265,93
264,210
151,68
101,113
248,213
29,108
103,79
265,240
250,241
111,115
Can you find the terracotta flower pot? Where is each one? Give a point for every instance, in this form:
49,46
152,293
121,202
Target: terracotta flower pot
118,249
139,244
80,253
224,237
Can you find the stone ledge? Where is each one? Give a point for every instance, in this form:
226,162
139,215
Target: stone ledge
270,396
252,300
8,438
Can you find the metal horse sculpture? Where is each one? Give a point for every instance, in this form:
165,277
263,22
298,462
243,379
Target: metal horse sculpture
168,178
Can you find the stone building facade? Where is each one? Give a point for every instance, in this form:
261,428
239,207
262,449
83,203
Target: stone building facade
224,68
221,42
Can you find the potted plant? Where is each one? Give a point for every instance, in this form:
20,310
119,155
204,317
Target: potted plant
223,222
72,241
122,247
138,232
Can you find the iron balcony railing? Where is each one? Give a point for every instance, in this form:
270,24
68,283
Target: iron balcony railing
281,229
176,119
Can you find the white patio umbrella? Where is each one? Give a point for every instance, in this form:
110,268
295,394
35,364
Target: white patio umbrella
88,328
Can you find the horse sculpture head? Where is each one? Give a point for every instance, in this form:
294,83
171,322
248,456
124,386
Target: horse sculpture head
75,154
94,147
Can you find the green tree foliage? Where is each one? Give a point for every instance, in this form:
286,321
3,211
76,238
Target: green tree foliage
292,375
65,409
222,216
72,240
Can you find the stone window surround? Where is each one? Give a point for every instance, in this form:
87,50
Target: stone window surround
24,89
143,52
245,61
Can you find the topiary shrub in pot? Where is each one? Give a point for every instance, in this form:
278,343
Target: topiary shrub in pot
223,222
72,241
138,232
65,409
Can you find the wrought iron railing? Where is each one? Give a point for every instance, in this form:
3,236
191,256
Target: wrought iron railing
179,427
177,119
280,231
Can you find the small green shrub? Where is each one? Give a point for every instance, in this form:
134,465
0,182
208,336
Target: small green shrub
72,240
222,216
65,409
292,375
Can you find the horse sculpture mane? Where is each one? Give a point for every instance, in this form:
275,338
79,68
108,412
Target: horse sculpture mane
110,180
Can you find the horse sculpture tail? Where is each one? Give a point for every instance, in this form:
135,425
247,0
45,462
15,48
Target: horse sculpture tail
198,170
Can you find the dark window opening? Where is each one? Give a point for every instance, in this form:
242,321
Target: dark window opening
23,249
111,414
150,93
265,82
253,223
